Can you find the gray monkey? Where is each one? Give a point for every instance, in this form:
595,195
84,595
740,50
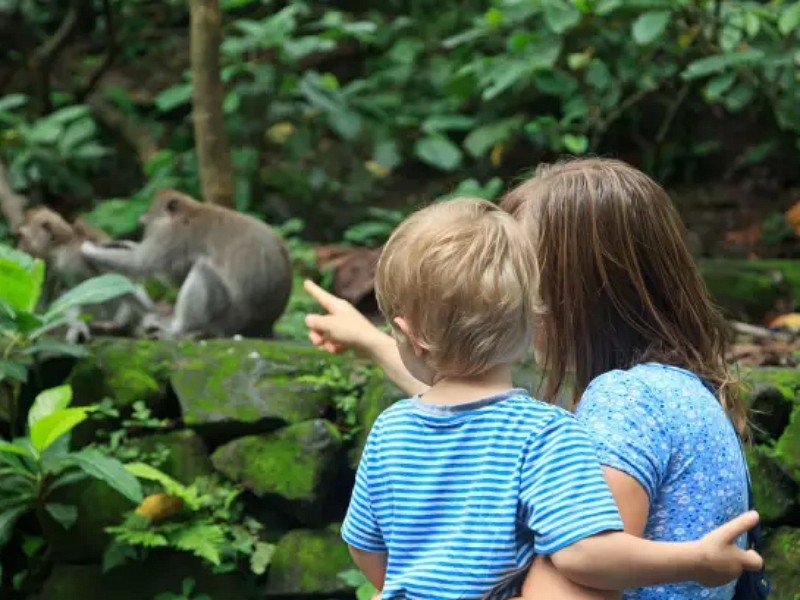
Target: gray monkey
234,271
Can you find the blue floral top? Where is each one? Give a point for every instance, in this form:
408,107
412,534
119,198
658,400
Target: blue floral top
661,425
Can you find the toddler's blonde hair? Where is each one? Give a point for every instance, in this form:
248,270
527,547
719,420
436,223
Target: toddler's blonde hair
463,276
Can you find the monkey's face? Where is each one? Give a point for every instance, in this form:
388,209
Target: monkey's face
163,213
42,232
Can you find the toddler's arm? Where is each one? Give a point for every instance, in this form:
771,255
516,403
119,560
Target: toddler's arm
616,560
372,564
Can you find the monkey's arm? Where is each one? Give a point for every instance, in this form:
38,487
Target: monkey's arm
126,258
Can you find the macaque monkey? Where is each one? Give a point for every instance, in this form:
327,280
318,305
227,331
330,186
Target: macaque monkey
233,270
47,236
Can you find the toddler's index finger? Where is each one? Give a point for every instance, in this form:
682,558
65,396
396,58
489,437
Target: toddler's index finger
325,299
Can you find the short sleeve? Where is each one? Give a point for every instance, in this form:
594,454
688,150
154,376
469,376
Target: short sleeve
627,425
563,495
360,528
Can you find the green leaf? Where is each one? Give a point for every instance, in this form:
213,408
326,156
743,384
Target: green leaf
10,369
109,470
204,540
719,62
116,554
649,26
575,144
13,449
439,123
387,154
76,134
789,19
68,114
20,287
261,557
439,152
561,15
482,139
48,402
145,471
64,514
7,520
12,101
92,291
719,85
90,151
48,429
173,97
346,123
57,348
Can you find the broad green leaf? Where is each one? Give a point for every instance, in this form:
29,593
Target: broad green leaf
649,26
145,471
48,402
7,520
109,470
789,19
719,85
76,134
12,101
48,429
11,369
64,514
261,557
68,114
21,287
57,348
346,123
439,123
24,260
561,15
173,97
605,7
387,154
439,152
92,291
13,449
575,144
719,62
482,139
90,151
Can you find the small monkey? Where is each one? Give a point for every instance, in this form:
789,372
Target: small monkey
47,236
234,272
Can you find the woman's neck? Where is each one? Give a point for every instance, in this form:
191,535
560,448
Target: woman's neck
458,390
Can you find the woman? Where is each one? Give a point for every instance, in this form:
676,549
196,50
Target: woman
626,317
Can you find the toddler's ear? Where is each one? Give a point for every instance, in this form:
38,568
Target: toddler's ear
403,332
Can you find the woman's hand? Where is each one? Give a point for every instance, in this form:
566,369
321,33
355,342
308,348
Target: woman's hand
342,328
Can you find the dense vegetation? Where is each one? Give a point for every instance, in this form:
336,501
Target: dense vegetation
340,117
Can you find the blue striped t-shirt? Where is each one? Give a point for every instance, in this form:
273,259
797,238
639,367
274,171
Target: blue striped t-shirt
461,495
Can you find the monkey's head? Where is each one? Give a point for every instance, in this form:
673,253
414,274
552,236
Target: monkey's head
43,231
170,208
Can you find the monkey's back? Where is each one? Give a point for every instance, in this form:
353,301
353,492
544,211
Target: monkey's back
254,262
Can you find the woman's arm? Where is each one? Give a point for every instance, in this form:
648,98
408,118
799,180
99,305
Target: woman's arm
545,581
345,328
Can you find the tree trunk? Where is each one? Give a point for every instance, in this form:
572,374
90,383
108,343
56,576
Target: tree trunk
12,204
213,150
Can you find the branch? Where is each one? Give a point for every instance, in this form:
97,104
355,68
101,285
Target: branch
671,112
629,102
44,56
108,59
136,136
12,204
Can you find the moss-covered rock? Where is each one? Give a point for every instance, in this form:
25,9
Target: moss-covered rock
98,507
124,370
161,572
241,387
770,393
378,394
186,453
787,450
308,563
295,465
776,495
749,290
782,558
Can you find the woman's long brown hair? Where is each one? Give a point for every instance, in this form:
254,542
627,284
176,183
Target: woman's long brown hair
618,285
